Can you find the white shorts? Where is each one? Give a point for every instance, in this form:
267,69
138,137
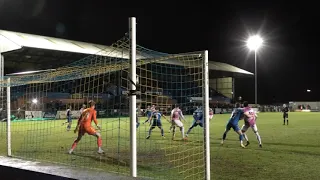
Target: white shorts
177,123
246,127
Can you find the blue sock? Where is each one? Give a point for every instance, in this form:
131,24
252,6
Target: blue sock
150,131
138,124
241,137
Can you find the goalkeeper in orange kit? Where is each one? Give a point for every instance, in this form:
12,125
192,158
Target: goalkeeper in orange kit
84,126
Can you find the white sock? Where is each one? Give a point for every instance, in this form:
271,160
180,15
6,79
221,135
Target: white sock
258,137
245,137
182,131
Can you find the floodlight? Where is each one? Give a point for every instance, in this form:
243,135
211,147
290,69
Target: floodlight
34,101
254,42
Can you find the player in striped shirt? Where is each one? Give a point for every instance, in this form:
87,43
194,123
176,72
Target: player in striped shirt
156,122
237,114
137,116
149,112
198,118
69,118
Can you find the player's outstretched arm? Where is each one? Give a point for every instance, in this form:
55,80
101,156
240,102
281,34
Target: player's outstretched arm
78,124
247,114
95,120
182,116
171,115
165,118
149,119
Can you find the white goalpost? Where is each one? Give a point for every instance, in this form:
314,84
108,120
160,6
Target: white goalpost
206,115
125,81
205,104
132,95
8,118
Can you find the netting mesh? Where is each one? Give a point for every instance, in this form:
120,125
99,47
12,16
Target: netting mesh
39,104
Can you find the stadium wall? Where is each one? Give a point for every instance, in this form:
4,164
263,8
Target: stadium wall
223,86
305,105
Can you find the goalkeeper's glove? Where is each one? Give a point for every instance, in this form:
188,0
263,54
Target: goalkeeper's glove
76,130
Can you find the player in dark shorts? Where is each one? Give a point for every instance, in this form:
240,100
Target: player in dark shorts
285,111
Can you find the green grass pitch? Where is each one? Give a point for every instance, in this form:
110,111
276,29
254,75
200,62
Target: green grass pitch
289,152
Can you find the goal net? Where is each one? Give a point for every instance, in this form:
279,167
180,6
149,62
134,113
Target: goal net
41,103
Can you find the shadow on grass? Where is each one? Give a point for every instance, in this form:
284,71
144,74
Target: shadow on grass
104,159
125,162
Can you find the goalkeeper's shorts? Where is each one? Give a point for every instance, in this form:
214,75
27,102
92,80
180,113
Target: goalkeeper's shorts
89,130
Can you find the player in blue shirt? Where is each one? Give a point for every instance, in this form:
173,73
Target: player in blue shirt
236,116
198,118
156,122
137,116
149,112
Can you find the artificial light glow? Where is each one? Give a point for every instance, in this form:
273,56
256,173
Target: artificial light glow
34,101
30,72
308,90
254,42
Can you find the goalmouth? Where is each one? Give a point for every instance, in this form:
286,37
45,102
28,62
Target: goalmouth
123,85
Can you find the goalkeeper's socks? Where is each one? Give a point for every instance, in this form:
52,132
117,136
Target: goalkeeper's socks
100,151
99,142
70,151
72,147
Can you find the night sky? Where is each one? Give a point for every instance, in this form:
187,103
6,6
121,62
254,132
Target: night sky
286,64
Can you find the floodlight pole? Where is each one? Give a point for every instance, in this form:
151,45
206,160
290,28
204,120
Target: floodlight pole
8,118
255,79
206,128
132,108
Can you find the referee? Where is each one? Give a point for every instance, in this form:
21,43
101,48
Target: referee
285,111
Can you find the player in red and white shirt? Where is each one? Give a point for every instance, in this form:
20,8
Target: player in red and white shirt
176,117
250,122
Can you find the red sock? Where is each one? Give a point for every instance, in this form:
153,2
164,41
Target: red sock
99,142
74,145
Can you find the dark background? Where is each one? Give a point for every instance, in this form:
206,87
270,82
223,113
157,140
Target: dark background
19,174
287,64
